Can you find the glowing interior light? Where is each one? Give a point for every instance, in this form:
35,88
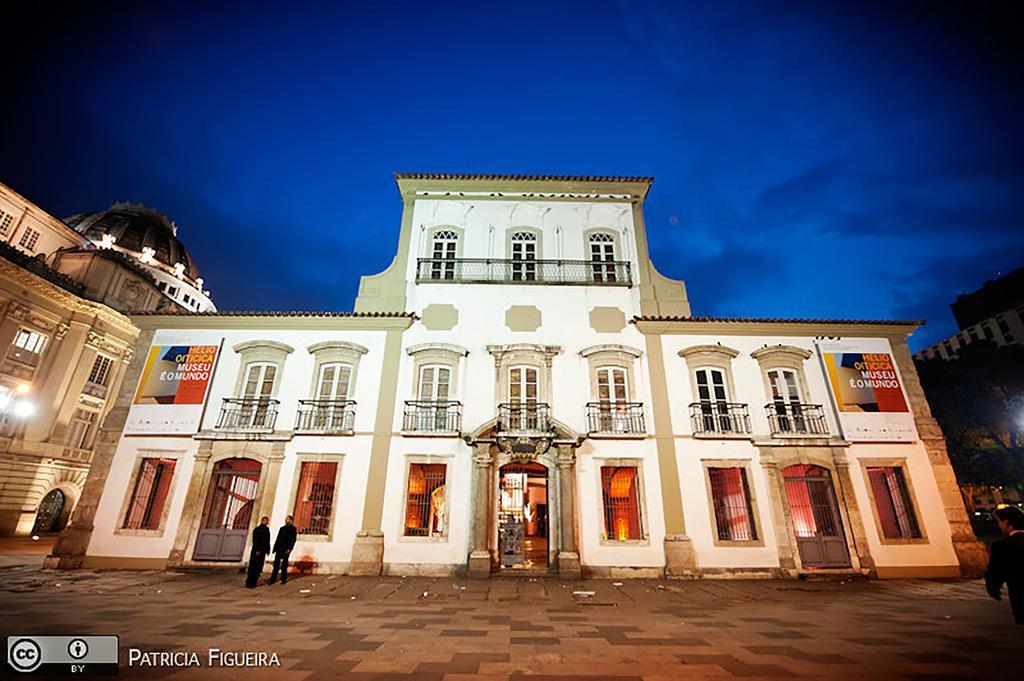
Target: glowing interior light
147,254
5,398
24,409
23,388
107,241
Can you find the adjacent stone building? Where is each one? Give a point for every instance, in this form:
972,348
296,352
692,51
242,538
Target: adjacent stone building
522,392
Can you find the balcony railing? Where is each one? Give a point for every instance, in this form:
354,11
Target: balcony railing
95,390
796,418
247,414
424,416
527,417
720,418
326,416
498,271
615,417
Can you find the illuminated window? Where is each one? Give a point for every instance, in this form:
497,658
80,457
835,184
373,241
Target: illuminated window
314,501
150,494
621,503
425,506
82,429
100,373
28,347
892,499
5,221
730,495
29,238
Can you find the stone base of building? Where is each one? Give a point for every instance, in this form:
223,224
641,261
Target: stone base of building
367,554
569,565
621,572
68,552
680,557
973,556
421,570
479,565
918,572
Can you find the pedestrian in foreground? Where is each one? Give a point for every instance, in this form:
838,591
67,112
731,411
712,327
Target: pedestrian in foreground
260,549
283,546
1006,562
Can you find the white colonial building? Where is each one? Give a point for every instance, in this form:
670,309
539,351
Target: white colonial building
522,391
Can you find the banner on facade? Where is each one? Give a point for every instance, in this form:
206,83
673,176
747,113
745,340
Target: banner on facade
173,387
867,390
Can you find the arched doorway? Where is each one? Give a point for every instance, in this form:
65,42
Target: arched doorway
50,513
523,521
817,523
227,515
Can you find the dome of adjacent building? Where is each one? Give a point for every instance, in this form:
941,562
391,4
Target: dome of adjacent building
135,228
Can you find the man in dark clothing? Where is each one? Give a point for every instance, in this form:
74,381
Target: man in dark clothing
260,549
283,546
1006,562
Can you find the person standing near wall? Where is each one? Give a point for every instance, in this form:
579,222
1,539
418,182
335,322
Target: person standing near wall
283,546
260,549
1006,562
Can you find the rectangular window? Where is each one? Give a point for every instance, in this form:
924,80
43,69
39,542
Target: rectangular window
29,238
986,329
100,373
1004,328
314,501
425,510
895,512
150,494
6,219
621,499
82,429
949,348
730,495
28,347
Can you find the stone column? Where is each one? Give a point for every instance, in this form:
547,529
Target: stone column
191,512
69,550
849,500
969,551
479,556
780,511
568,555
269,481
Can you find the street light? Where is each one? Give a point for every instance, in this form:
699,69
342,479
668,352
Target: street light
16,402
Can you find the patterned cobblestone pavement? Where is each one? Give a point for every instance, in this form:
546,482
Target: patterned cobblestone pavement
456,629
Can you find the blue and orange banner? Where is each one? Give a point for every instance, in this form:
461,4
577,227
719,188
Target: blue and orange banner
865,382
176,374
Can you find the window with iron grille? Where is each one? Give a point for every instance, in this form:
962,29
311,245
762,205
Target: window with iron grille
6,219
100,373
150,494
892,499
29,238
314,501
82,429
730,496
621,499
425,507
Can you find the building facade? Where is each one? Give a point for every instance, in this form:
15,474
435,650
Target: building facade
522,391
994,312
65,343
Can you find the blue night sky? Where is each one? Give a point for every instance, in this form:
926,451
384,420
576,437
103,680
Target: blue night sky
811,159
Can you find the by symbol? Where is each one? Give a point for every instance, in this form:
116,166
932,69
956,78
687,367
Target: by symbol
78,648
25,655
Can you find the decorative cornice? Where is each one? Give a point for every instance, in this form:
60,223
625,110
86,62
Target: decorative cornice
257,344
440,347
694,350
610,348
337,345
787,351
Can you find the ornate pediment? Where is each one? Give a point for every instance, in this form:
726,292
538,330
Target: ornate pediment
524,449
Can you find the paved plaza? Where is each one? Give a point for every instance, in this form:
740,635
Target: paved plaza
458,629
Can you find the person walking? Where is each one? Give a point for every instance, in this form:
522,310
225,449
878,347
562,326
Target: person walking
260,549
283,546
1006,562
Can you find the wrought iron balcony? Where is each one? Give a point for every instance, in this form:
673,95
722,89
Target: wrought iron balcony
258,414
432,416
524,417
719,418
796,418
500,271
325,416
615,417
95,390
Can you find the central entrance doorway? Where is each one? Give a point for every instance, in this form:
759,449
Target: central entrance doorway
230,505
523,527
816,520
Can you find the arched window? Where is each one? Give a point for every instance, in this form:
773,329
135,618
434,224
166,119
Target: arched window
602,256
524,253
443,256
